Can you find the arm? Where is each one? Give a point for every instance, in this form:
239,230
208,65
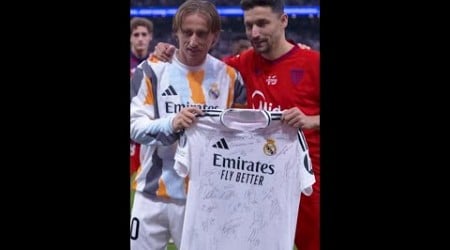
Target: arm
165,51
238,63
145,126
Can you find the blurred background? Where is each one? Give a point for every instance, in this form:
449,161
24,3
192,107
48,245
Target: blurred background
303,27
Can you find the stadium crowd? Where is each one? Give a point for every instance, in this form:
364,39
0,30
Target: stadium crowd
154,3
301,29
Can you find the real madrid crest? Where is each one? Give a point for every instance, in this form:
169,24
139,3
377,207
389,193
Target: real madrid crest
214,91
270,148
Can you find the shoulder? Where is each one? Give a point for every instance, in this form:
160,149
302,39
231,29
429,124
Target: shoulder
156,65
242,59
247,54
310,54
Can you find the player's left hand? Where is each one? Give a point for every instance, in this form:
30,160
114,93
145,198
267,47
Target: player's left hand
296,118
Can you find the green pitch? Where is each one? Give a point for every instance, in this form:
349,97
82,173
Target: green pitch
131,191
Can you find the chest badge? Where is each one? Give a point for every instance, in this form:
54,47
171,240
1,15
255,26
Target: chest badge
270,148
214,91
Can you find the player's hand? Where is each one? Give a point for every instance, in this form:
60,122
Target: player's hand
164,51
296,118
303,46
185,118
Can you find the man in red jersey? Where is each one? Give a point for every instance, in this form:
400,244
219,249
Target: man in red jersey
281,76
284,77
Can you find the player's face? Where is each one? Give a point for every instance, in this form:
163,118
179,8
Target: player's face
140,39
264,28
195,40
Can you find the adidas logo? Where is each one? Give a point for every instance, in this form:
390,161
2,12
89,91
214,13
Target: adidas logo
169,91
221,144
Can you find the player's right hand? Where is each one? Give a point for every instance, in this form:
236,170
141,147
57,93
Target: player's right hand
164,51
185,118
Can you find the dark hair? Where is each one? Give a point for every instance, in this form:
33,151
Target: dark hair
276,5
206,8
139,21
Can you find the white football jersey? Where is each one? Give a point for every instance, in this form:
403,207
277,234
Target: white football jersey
162,93
246,173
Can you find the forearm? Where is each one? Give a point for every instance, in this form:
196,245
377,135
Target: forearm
146,127
315,122
146,131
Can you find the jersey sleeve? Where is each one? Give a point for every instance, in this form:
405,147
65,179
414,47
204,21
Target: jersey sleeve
145,126
234,61
135,80
240,93
182,157
307,178
306,175
231,61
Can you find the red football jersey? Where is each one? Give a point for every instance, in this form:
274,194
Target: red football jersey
291,80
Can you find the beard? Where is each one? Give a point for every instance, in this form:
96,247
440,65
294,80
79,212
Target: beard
261,47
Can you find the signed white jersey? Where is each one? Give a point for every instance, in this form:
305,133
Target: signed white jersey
246,173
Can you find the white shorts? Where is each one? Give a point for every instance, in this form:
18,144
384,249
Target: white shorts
154,221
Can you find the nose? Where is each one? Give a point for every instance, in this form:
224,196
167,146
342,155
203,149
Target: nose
254,32
193,42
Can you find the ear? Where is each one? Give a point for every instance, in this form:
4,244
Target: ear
284,20
215,39
175,37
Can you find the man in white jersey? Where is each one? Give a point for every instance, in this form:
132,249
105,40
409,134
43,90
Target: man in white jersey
246,171
168,97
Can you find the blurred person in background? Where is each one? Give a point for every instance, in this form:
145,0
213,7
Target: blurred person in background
165,99
239,44
141,34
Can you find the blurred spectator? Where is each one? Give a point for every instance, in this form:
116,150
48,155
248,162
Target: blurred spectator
301,29
141,34
239,44
176,3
